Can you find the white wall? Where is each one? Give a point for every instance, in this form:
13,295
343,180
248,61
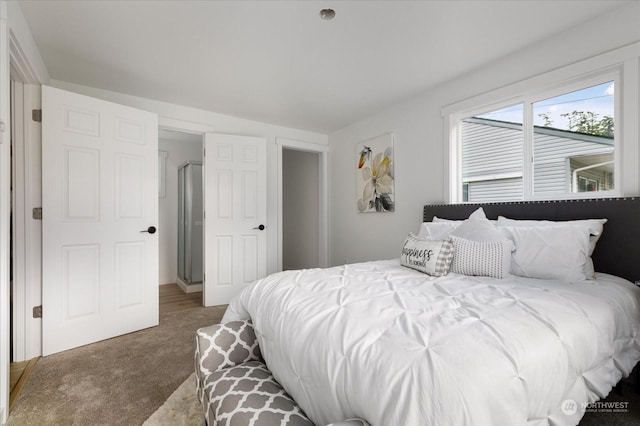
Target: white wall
300,209
178,152
420,139
221,124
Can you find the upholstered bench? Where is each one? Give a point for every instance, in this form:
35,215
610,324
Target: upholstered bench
234,385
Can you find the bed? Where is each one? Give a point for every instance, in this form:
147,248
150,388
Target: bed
395,346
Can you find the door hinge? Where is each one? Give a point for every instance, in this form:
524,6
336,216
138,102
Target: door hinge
37,213
37,311
3,128
36,115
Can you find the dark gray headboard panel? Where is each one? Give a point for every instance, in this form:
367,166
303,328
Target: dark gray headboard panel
618,250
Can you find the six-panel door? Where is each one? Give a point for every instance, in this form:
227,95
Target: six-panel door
235,207
100,186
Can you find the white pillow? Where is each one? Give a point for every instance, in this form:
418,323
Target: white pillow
436,231
478,228
549,252
596,226
489,259
455,223
428,256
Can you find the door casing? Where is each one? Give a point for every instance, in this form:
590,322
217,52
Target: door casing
323,194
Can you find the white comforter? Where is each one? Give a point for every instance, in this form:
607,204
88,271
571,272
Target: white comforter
394,346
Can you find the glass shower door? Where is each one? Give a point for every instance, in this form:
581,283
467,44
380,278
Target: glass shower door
190,238
181,223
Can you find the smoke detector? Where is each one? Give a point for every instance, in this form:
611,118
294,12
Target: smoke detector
327,14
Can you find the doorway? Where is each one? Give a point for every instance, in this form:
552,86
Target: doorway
26,229
300,209
25,233
177,149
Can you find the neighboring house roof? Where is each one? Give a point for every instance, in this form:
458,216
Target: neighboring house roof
605,140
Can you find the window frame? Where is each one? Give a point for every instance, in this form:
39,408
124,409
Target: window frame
527,101
622,63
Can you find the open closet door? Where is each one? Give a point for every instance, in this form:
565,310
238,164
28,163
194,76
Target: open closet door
235,194
100,204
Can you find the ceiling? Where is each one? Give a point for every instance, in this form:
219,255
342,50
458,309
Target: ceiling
278,61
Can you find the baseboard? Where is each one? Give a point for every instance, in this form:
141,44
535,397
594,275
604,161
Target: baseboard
188,288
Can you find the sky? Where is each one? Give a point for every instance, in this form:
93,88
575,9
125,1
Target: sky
597,99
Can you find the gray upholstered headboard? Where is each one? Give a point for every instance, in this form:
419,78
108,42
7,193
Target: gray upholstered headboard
618,250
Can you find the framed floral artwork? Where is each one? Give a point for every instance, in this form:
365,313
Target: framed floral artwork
375,178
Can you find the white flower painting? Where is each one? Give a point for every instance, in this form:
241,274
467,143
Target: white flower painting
374,161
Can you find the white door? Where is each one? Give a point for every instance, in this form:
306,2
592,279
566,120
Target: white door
235,197
99,200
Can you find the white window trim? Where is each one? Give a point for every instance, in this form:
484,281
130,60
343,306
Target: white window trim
622,63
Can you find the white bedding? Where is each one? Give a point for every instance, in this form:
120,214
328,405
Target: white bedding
394,346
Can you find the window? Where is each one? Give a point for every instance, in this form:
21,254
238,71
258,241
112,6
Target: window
554,144
492,155
465,192
572,137
587,185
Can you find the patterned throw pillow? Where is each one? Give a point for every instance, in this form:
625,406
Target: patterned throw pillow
428,256
488,259
436,230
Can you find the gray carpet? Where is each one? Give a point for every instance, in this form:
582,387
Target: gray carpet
120,381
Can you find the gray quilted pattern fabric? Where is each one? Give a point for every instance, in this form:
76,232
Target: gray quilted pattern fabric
226,345
249,395
223,346
234,386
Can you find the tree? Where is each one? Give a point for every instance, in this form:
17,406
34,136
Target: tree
547,120
606,126
587,122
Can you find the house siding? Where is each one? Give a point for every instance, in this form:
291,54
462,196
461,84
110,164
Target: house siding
552,172
492,159
496,190
489,150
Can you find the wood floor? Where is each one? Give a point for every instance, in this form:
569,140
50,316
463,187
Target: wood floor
20,373
172,299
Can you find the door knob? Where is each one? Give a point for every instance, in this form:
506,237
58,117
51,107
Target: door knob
151,230
260,227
